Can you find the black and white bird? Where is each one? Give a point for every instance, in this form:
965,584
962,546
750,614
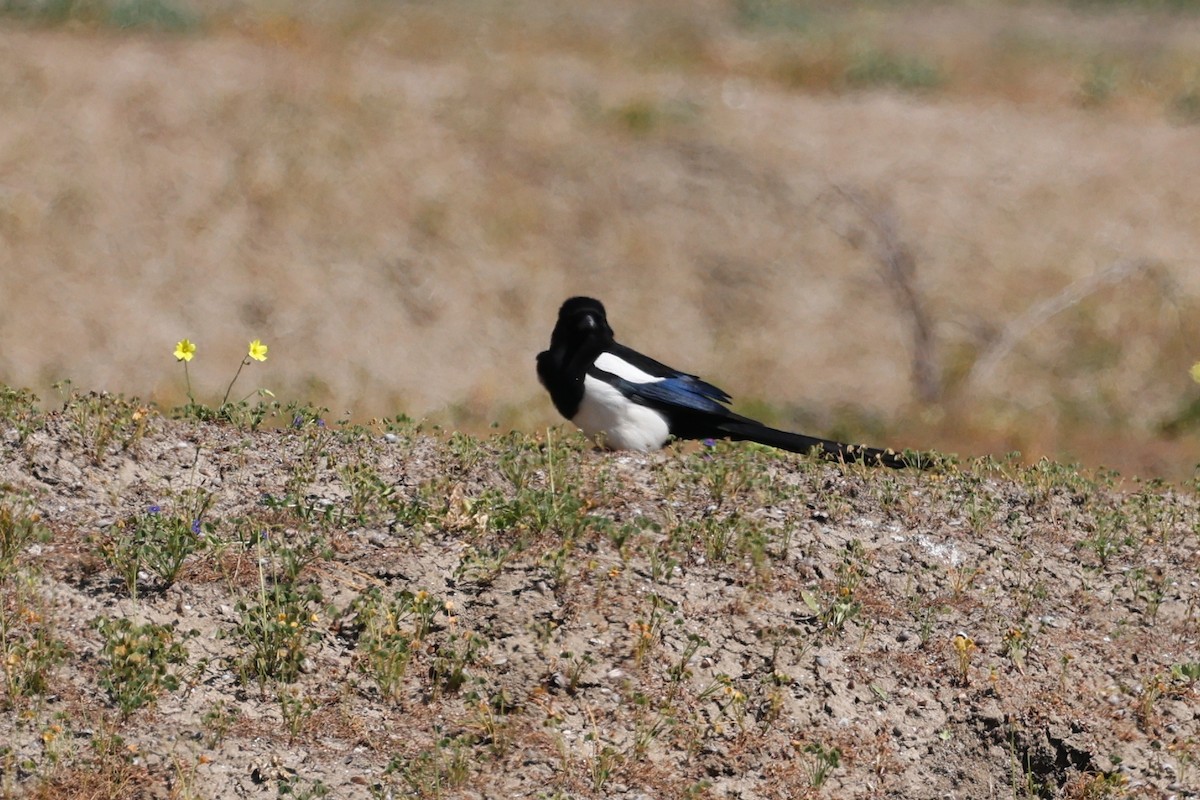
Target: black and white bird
629,401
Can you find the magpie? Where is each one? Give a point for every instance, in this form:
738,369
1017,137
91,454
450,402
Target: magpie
629,401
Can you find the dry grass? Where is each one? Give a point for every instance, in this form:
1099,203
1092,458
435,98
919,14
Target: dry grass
397,198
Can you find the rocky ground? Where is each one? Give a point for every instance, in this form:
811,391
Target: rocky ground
392,612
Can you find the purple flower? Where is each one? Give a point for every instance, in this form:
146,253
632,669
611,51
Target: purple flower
196,527
710,442
154,509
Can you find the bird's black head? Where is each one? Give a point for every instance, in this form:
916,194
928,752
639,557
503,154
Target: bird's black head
580,319
579,336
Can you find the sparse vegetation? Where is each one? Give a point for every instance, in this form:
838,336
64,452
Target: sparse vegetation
460,602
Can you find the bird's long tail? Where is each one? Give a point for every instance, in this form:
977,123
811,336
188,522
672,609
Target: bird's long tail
751,431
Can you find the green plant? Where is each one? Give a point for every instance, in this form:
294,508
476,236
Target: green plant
872,68
296,708
29,649
238,413
19,528
448,670
18,407
102,420
161,15
279,622
575,666
730,701
843,605
1189,671
1099,84
154,541
821,761
391,632
302,789
648,631
370,495
1106,540
489,724
138,661
1148,695
217,721
431,772
790,15
276,629
1184,107
606,759
1016,645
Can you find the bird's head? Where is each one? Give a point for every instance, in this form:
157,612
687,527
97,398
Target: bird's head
581,319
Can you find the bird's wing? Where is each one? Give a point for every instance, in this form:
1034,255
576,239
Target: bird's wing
638,368
668,393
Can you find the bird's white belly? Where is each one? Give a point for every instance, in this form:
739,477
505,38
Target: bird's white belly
625,425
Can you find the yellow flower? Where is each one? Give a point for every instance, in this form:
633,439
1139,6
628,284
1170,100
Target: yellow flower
1195,371
258,350
184,350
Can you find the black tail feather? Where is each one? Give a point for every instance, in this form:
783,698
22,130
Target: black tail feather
751,431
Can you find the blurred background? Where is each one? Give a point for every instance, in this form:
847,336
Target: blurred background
967,226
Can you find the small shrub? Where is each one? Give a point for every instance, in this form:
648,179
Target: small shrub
871,69
138,661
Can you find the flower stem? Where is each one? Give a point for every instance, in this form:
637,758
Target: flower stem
188,379
229,388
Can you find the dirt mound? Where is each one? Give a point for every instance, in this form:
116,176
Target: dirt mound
196,610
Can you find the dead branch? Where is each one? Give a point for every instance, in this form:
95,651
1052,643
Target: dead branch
898,268
1041,312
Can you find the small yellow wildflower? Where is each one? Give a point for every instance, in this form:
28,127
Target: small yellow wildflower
184,350
258,350
51,733
1195,372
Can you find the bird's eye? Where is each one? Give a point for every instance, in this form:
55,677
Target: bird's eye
588,322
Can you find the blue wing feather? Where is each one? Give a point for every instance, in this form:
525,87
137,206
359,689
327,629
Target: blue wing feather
682,392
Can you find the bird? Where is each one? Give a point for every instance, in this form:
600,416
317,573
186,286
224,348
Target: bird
628,401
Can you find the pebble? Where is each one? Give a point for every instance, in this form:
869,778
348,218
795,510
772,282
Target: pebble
391,438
